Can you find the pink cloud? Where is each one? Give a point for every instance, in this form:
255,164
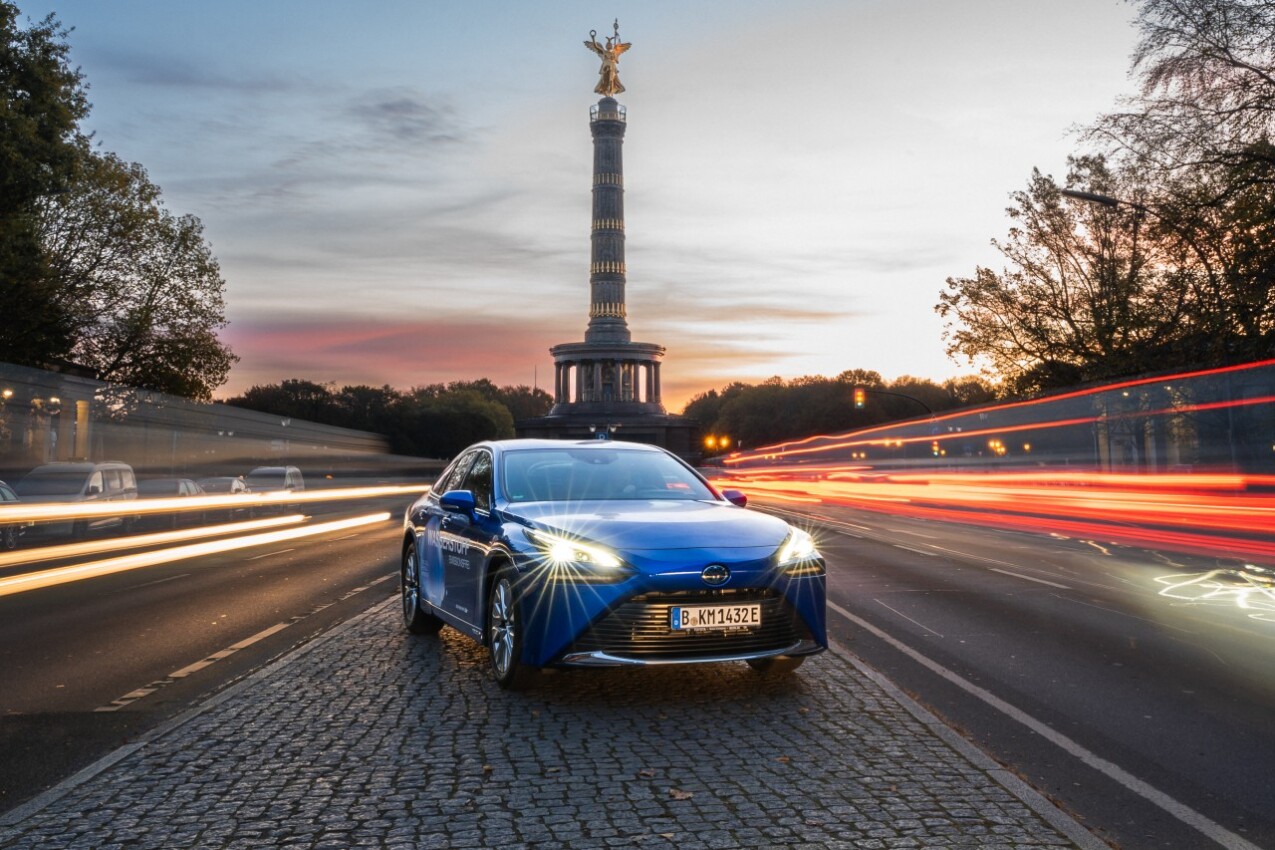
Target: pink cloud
404,354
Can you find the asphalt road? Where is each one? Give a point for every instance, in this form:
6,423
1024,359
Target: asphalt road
1130,686
88,665
1136,688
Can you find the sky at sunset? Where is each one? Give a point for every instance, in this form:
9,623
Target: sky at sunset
399,192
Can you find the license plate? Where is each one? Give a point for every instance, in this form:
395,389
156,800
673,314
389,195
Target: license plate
690,618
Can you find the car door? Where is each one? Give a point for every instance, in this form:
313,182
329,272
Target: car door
437,538
465,569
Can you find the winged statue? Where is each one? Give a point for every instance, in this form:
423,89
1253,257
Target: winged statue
609,82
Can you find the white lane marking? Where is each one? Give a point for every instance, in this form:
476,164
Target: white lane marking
917,551
228,651
149,583
268,554
1029,578
135,695
1145,790
915,534
906,617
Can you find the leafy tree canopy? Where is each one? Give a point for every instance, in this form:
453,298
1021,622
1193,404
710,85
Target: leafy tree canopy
775,410
436,420
42,100
92,267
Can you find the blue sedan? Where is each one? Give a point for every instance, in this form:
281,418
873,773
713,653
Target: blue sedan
601,553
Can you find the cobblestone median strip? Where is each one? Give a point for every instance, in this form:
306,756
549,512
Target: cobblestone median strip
371,737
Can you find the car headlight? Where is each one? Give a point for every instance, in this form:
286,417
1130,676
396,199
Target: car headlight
798,556
575,560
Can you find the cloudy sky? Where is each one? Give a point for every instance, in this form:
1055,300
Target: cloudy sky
398,191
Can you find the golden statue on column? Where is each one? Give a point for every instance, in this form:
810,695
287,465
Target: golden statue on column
609,84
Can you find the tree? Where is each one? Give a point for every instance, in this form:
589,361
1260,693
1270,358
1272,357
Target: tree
1086,296
139,286
1207,73
777,411
42,100
292,397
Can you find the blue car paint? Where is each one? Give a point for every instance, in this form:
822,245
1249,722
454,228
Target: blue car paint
665,545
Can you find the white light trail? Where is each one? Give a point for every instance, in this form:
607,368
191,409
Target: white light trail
78,572
26,557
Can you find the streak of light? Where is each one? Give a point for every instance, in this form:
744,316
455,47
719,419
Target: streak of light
1228,514
98,547
21,512
859,438
78,572
787,447
1253,594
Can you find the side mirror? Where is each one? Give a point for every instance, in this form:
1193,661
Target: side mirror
95,490
458,502
735,497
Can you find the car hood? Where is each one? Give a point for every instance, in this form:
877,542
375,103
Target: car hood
657,524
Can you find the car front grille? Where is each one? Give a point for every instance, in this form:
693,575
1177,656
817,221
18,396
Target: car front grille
640,628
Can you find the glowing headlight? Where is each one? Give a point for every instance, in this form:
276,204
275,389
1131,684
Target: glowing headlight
575,558
798,556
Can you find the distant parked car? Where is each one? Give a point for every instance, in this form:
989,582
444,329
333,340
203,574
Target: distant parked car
79,483
169,488
10,533
276,479
265,479
227,485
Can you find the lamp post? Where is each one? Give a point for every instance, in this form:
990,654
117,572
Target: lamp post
1113,203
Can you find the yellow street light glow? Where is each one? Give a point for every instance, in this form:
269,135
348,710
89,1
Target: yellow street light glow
78,572
97,547
22,512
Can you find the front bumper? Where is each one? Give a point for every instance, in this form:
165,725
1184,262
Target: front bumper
603,659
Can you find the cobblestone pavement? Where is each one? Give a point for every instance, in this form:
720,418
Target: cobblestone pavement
369,737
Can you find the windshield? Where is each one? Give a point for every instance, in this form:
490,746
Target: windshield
573,475
52,483
266,480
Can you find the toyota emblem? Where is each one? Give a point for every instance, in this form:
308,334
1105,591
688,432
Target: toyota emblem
715,575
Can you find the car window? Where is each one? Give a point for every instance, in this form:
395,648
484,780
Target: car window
452,475
96,481
7,495
478,481
114,483
571,474
266,479
52,482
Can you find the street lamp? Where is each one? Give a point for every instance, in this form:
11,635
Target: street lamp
1113,203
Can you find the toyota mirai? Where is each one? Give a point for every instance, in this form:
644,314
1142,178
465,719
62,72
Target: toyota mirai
601,553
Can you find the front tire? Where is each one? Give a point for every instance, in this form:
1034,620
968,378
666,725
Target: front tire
9,538
776,665
504,635
416,618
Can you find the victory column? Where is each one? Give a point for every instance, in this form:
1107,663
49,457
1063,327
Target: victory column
609,383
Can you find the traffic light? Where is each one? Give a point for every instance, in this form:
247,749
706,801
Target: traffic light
860,395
